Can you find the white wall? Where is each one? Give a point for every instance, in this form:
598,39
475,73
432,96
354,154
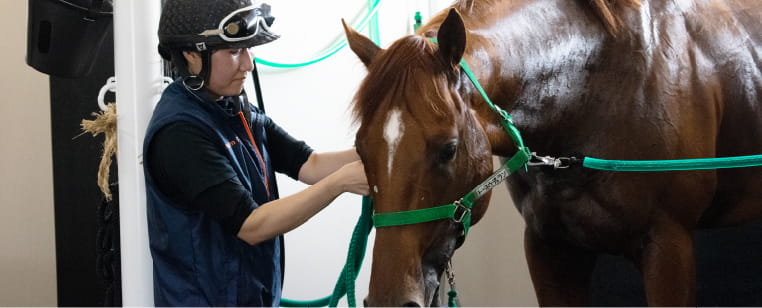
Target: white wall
312,104
27,242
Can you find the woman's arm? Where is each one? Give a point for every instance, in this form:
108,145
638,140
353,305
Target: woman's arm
280,216
320,165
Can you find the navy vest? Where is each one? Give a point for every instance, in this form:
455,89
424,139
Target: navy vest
195,262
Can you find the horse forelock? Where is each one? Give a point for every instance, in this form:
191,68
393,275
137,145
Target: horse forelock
404,73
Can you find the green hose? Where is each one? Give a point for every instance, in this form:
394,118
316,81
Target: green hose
371,18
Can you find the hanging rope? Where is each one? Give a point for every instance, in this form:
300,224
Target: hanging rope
104,123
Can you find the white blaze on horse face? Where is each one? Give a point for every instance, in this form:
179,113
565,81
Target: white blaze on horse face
393,130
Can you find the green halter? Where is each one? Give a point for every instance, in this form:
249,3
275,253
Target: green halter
460,210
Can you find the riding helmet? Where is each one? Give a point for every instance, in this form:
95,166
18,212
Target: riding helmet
200,25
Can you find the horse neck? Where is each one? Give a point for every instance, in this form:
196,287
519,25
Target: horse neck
526,51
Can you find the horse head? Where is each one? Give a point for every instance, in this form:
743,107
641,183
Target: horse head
423,146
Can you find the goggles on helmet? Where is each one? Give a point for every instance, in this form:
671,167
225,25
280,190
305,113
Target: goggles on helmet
240,25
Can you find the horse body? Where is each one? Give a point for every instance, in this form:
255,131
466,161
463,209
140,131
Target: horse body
630,80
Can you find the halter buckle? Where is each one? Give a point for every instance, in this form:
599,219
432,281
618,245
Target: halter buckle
461,211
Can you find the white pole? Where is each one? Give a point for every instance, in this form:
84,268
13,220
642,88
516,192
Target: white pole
139,81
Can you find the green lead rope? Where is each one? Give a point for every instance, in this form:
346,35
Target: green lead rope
357,246
673,165
346,282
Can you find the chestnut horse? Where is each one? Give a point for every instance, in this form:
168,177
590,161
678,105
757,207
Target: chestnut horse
611,79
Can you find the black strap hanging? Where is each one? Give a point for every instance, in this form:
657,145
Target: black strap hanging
257,88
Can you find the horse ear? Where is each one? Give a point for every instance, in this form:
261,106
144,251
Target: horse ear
362,46
452,38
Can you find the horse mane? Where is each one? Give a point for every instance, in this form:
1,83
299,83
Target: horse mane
404,69
607,11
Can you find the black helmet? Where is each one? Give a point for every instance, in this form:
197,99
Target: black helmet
201,25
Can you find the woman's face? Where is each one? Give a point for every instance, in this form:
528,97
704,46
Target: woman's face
229,69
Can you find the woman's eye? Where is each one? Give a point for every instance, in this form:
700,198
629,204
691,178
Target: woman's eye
235,52
447,153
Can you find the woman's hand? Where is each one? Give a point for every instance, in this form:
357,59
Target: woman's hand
353,179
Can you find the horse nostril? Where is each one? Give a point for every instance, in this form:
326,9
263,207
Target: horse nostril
411,304
365,303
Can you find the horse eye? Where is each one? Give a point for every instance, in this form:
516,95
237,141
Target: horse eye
448,152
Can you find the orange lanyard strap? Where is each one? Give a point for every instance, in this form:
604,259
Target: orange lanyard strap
259,155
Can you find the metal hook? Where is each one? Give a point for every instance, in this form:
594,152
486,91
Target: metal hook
557,163
109,86
450,274
464,211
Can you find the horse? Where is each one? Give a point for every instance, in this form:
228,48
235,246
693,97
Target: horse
611,79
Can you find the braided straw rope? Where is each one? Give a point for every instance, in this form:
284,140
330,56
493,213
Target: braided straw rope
105,122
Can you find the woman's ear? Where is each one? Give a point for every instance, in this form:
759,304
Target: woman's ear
194,61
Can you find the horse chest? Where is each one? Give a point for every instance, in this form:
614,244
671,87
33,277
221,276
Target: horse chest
572,206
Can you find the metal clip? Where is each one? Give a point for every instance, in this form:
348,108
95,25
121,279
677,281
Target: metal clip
557,163
464,211
450,274
536,160
505,115
562,163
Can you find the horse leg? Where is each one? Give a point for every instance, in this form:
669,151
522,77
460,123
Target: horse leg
668,266
560,273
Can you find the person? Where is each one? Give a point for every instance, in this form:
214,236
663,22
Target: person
215,220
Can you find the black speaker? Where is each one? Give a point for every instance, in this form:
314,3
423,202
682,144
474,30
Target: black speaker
64,36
